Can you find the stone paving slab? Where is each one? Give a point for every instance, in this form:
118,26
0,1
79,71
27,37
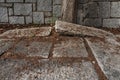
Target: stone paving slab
5,45
28,32
33,49
107,54
80,30
47,70
9,68
70,47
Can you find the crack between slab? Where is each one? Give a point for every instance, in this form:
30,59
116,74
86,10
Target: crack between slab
9,50
92,58
55,36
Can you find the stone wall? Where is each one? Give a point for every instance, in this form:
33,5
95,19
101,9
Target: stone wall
99,13
29,11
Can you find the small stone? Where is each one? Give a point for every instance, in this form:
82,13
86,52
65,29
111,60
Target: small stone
28,32
70,48
93,62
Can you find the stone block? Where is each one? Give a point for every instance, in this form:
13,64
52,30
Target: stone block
2,0
48,20
66,28
9,68
115,9
35,49
28,19
22,9
80,14
93,22
3,14
38,17
14,0
48,14
5,5
16,20
58,70
107,54
70,47
34,7
83,1
104,10
44,69
28,32
91,10
44,5
57,1
10,10
111,23
30,1
57,11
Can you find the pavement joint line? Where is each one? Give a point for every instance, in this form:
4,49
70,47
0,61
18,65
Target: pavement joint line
96,65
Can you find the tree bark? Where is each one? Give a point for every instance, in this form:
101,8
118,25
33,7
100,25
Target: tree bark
68,10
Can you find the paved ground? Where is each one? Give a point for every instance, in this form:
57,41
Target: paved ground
55,57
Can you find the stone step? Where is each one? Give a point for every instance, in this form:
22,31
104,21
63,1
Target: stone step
28,32
74,29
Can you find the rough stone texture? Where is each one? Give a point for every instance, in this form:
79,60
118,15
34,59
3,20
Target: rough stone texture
16,20
28,19
3,14
111,22
53,70
104,10
29,11
70,48
33,49
46,70
2,1
115,9
107,54
93,22
44,5
5,45
92,12
14,0
57,2
5,4
57,11
38,17
10,11
9,69
91,9
79,30
28,32
22,9
30,0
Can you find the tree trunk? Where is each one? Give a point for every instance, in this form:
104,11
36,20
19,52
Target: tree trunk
68,10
